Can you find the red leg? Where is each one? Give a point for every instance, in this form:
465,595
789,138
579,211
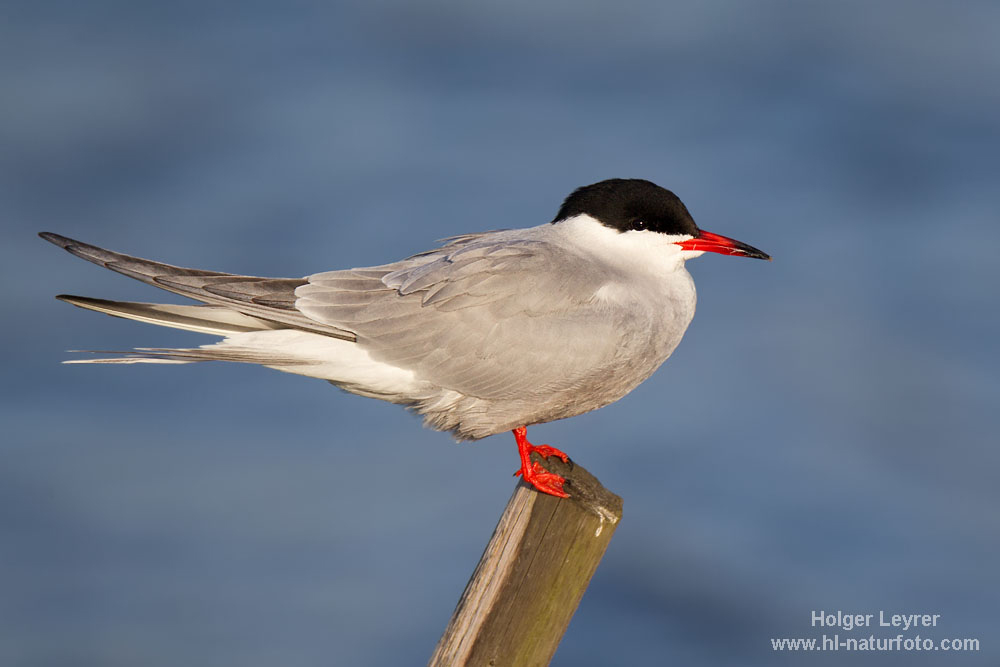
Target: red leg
533,472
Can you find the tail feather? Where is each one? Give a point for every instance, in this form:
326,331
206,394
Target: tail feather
186,355
215,320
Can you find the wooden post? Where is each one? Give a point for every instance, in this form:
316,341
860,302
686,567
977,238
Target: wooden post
519,601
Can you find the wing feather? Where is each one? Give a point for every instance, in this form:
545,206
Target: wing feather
479,316
271,299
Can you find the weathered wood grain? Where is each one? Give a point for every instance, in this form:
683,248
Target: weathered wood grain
522,595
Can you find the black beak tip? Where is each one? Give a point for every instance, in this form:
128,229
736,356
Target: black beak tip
757,254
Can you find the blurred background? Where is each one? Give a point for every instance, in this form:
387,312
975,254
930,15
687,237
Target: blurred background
825,438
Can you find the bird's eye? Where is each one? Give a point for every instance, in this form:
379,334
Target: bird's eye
638,225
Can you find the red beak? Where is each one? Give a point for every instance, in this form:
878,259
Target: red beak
709,242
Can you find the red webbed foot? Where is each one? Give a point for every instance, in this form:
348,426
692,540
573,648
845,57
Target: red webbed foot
532,471
545,451
543,480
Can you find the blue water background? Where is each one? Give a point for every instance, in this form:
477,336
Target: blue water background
825,437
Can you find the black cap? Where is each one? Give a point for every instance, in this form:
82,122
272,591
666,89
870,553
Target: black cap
630,204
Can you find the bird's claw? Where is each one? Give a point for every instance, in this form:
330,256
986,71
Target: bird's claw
532,471
545,451
543,480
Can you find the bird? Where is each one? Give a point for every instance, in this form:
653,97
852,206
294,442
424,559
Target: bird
489,332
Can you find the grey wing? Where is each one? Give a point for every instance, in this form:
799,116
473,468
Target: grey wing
487,316
270,299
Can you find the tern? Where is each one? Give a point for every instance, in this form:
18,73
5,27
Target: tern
492,331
